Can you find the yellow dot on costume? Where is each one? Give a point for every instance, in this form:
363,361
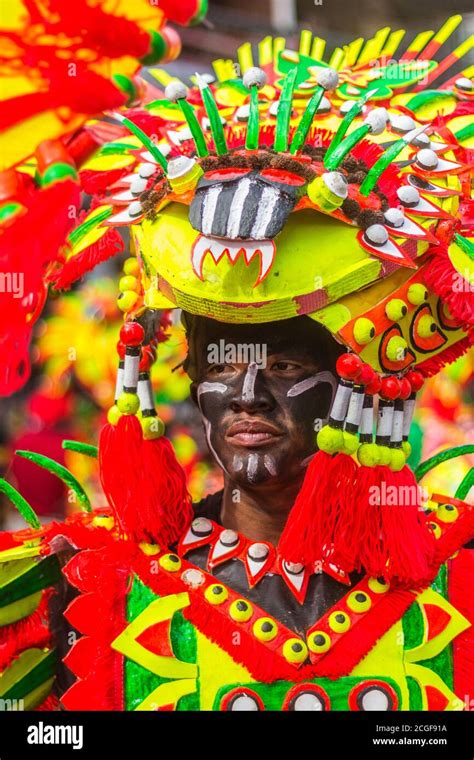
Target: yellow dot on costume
351,442
339,622
364,330
149,549
368,454
447,513
170,562
153,427
426,326
318,642
417,294
398,460
295,650
378,585
114,414
216,593
396,349
330,439
395,309
359,601
241,611
385,455
104,521
435,528
128,403
265,629
127,300
406,448
128,282
131,266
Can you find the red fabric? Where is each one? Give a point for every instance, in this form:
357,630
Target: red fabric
460,584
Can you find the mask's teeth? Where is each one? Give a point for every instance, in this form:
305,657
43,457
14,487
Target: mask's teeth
200,248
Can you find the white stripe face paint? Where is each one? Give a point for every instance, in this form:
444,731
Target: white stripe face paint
209,207
237,463
236,207
310,382
269,463
248,387
252,466
211,388
266,207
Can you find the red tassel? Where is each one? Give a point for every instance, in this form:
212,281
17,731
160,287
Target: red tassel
77,266
144,483
323,502
442,277
435,363
460,578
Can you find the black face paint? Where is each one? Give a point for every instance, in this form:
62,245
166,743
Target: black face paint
260,420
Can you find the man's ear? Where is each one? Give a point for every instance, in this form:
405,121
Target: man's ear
193,392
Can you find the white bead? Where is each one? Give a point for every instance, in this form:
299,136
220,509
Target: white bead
376,120
376,234
408,195
273,108
258,551
327,78
193,578
401,122
254,77
135,208
324,105
421,141
180,166
427,159
394,217
138,185
147,170
242,113
175,91
336,183
346,106
463,83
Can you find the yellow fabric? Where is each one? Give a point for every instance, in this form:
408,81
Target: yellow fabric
216,669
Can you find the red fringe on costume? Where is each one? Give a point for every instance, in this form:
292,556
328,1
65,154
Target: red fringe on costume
454,290
460,584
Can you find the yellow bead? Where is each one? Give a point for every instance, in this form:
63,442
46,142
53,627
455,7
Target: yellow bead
114,414
339,622
104,521
396,350
351,442
153,427
149,549
265,629
321,195
318,642
406,448
364,330
128,403
295,650
127,300
216,593
426,326
240,611
435,528
129,282
330,440
417,294
368,454
396,309
131,266
397,461
378,586
385,455
170,562
447,513
359,601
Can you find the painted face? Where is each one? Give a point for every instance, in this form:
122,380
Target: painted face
262,391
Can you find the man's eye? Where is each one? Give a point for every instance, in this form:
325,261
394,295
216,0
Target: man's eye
285,366
218,369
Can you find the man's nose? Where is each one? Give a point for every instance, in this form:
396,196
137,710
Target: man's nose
252,395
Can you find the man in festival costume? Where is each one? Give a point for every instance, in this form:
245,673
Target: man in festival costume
312,221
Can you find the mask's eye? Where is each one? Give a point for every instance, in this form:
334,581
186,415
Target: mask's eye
286,178
225,175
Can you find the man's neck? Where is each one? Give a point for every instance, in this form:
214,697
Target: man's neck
260,514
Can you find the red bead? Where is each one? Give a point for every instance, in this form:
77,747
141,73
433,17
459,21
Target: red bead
374,386
145,362
348,366
390,388
366,374
405,388
121,349
415,379
132,333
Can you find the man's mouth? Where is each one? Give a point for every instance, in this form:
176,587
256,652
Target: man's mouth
252,433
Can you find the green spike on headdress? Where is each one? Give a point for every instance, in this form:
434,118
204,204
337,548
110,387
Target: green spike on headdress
217,130
347,121
177,92
81,448
306,120
465,245
376,171
61,472
284,112
253,80
332,162
147,142
20,503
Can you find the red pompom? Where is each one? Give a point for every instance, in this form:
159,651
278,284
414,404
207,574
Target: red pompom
349,366
366,375
390,388
405,388
132,333
374,385
415,379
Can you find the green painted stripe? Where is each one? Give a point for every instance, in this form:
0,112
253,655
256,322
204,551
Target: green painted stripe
44,574
27,673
